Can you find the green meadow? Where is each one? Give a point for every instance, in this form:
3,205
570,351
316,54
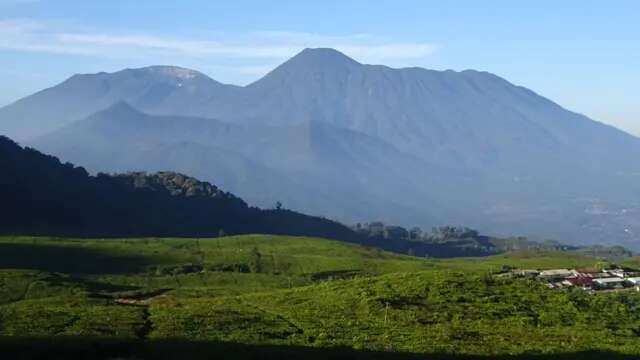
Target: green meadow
297,295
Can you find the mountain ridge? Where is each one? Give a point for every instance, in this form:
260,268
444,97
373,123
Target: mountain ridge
361,142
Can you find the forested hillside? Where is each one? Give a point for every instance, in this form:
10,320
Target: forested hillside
42,196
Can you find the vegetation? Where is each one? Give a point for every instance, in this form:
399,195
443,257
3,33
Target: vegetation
451,241
287,294
36,187
607,252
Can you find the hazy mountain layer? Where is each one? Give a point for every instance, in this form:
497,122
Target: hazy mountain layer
312,165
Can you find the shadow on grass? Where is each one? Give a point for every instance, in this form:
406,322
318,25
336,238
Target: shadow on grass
68,259
94,288
91,348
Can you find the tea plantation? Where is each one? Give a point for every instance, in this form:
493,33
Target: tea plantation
260,296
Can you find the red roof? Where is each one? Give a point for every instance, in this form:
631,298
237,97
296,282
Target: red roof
580,281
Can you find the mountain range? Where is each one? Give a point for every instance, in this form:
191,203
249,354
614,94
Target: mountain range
327,135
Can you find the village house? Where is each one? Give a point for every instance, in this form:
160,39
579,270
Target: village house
526,273
592,273
609,283
616,272
555,274
584,278
634,281
582,281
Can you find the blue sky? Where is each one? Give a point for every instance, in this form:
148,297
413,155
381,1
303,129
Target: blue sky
584,55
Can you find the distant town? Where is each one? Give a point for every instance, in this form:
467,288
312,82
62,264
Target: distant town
589,279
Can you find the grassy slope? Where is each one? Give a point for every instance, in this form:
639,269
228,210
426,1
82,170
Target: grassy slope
394,303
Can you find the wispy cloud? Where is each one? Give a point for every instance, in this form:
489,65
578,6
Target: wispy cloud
233,57
28,35
366,47
169,45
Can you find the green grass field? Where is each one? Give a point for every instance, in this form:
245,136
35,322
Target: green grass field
302,293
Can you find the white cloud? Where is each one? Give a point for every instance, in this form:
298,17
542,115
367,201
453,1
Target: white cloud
28,35
170,45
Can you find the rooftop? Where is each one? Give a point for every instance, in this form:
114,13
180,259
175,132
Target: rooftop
555,272
609,280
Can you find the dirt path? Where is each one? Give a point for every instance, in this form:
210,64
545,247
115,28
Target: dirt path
142,299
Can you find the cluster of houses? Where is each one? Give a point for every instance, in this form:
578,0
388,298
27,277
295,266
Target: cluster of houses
584,278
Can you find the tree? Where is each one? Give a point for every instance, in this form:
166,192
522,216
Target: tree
375,229
415,233
395,232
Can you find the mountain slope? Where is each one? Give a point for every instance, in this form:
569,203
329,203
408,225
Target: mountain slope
474,119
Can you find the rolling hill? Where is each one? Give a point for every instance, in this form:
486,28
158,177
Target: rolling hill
262,296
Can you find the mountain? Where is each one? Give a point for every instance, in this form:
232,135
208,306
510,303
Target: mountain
469,115
333,137
311,165
161,89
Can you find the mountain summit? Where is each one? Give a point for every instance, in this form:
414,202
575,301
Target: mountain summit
316,60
